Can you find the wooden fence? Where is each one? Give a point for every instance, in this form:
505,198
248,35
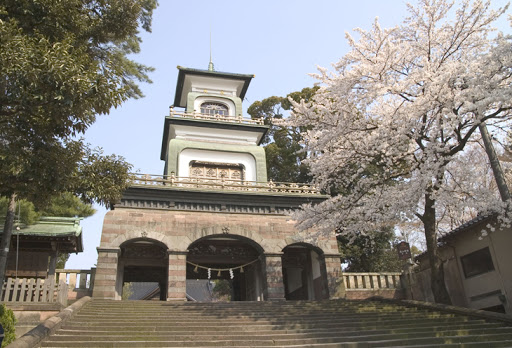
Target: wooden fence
31,290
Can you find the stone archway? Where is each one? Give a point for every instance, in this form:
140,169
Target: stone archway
144,262
232,260
304,273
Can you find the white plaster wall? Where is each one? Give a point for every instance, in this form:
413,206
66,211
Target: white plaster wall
227,136
499,245
214,85
501,241
188,155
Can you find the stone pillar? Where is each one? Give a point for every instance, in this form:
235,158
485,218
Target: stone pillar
335,283
274,277
106,274
177,280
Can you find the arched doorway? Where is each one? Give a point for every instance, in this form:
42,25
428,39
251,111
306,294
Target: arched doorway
304,272
143,264
227,261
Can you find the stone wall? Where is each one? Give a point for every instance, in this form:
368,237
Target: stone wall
178,229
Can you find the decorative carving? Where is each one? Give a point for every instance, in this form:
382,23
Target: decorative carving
211,173
200,169
144,234
144,251
233,251
295,260
225,230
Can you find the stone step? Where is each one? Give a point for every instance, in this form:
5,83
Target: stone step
366,341
375,328
248,313
382,334
244,312
185,320
244,304
493,344
323,324
216,322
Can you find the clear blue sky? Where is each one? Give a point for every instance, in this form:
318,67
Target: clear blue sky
280,42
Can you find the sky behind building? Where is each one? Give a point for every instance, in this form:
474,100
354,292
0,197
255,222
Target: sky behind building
281,42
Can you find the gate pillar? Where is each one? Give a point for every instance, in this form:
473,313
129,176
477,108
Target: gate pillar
106,274
274,276
177,276
335,283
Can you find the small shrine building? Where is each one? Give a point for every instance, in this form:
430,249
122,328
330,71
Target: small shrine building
34,249
213,214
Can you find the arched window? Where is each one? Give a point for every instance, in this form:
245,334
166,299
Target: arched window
212,108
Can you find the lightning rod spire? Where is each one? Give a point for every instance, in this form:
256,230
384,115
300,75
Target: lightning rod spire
210,65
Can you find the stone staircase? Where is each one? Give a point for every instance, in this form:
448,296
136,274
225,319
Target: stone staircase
337,323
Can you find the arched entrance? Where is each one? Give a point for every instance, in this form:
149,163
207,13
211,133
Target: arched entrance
228,261
143,264
304,274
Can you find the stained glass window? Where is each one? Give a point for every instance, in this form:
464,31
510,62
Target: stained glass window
212,108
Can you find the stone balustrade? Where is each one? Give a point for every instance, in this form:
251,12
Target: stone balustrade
80,281
372,281
364,285
223,184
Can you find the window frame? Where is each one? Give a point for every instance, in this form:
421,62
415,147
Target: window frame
222,107
480,258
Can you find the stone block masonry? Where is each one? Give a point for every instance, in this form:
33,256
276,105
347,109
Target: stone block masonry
174,231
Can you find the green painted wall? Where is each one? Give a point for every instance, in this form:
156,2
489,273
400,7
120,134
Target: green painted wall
176,146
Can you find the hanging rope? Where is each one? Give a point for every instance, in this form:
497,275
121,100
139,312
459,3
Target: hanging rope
241,268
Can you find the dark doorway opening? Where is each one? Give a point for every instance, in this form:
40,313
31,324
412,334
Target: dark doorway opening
230,266
144,265
303,273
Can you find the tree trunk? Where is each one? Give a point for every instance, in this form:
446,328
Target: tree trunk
437,283
6,236
499,177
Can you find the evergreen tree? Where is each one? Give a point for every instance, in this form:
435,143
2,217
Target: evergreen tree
283,149
61,64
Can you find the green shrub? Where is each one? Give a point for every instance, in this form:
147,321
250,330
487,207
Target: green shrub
8,321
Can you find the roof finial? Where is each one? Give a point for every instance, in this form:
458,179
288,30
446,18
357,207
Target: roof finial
210,65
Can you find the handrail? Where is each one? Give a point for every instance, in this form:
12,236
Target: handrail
220,118
222,184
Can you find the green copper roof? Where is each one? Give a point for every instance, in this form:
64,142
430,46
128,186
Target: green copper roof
51,227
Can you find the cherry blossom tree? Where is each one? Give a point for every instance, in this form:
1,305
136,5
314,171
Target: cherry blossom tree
390,126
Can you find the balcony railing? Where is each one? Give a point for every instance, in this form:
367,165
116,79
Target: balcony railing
223,184
220,118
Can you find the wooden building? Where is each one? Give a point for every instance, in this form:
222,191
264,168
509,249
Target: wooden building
34,248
